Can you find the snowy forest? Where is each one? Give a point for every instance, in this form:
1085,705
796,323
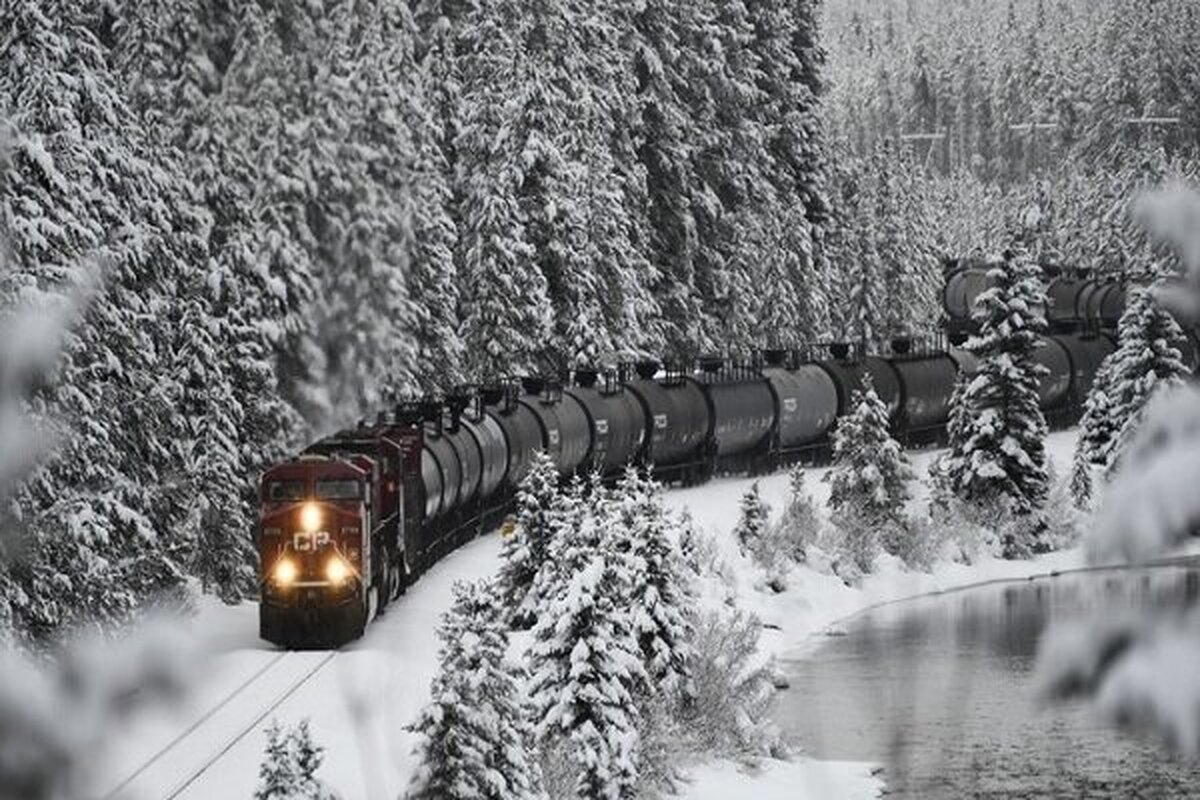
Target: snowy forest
231,227
272,218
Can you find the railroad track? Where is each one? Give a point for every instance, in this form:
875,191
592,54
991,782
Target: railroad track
217,731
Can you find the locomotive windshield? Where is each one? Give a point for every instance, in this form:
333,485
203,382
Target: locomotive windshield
278,491
338,490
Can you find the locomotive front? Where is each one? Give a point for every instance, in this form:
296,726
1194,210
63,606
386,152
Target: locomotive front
313,551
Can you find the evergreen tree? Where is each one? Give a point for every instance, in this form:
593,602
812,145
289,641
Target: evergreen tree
1097,426
508,315
528,546
997,454
753,522
870,470
661,590
80,189
289,767
1081,478
477,741
1147,359
585,662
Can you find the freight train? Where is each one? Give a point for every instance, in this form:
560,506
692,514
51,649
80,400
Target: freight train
347,525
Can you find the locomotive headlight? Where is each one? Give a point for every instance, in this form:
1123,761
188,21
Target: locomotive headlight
285,572
337,570
310,517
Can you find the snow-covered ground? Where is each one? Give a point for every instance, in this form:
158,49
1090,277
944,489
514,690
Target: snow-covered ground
360,701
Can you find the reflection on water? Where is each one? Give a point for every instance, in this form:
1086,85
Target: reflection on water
939,692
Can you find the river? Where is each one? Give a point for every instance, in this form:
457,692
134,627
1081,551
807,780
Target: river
938,691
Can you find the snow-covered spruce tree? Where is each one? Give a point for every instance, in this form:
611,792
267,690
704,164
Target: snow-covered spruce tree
477,739
752,525
586,665
528,546
1148,358
868,481
289,766
1097,427
508,315
85,205
997,454
661,590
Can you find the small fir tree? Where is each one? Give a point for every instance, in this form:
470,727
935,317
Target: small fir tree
800,524
752,526
661,584
289,767
477,740
870,469
1148,358
527,547
997,449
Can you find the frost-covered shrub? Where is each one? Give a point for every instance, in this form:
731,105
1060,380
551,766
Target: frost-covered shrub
1062,518
920,544
855,543
730,714
800,525
289,766
661,746
969,531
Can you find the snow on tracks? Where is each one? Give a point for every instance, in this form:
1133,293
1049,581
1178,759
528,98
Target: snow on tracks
198,747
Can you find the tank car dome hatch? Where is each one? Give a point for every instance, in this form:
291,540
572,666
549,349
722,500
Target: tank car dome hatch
775,356
840,350
491,394
533,384
586,377
647,369
901,345
712,364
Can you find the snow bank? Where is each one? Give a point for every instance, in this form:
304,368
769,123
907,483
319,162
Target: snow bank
783,780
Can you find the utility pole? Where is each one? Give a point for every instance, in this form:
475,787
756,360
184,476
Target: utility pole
930,138
1155,124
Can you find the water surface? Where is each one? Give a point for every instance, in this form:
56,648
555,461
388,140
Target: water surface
939,692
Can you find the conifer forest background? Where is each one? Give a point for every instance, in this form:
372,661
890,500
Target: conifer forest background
247,222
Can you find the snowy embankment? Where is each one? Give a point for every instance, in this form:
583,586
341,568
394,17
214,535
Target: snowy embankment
360,702
814,601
